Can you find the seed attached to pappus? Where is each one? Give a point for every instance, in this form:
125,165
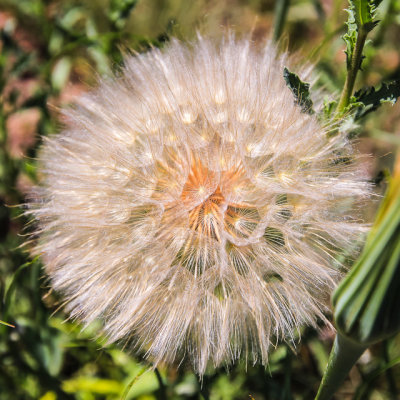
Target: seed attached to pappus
206,236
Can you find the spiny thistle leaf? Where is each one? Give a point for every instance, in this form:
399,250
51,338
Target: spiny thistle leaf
369,99
350,37
300,90
364,13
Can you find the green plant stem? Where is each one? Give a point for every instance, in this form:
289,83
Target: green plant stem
281,10
343,356
162,389
286,392
204,391
352,70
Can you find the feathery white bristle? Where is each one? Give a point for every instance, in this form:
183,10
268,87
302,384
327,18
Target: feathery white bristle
192,206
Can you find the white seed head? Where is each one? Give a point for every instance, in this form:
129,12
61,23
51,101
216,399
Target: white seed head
193,208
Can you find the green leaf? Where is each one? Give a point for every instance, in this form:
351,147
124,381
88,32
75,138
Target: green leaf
119,12
132,382
361,18
61,73
49,396
13,284
92,385
300,90
350,37
319,354
49,350
369,99
70,20
329,108
364,13
367,301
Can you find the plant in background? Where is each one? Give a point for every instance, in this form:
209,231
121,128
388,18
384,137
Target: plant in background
49,50
194,207
366,303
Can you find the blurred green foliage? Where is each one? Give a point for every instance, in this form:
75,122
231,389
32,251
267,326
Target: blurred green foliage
50,51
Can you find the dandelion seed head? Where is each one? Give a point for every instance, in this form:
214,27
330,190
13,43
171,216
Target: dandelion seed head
193,208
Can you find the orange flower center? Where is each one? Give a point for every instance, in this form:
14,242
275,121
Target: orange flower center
204,200
209,210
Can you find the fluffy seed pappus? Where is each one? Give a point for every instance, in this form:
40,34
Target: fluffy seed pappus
194,208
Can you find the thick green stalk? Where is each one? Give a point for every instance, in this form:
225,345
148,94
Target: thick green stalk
352,71
343,356
281,10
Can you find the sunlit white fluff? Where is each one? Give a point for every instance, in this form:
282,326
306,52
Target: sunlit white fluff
193,208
